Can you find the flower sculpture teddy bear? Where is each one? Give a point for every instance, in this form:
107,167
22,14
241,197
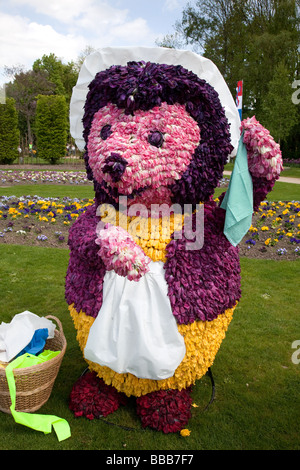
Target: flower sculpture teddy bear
151,301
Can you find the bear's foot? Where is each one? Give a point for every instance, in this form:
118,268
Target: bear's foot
92,398
165,410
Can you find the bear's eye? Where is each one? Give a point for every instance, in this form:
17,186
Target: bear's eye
156,138
105,132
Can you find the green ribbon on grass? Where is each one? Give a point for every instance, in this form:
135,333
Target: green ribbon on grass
37,422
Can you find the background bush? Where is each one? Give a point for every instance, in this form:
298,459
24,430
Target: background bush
9,132
51,127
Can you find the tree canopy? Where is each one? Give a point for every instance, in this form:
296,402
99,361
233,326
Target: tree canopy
256,41
51,127
63,76
49,76
24,89
9,132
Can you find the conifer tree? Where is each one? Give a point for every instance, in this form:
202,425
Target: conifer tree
278,111
51,127
9,133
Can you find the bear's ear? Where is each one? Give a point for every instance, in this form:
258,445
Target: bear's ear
238,200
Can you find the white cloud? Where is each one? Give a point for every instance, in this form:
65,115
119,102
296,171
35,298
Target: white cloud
23,41
98,18
62,10
133,33
77,13
171,5
65,28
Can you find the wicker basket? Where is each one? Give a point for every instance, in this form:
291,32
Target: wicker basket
34,384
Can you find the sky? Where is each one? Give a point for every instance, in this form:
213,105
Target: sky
31,28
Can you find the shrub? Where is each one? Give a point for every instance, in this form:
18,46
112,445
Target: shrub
9,133
51,127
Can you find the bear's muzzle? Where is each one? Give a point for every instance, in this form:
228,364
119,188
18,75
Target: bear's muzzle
115,165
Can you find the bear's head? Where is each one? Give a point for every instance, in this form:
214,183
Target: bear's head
155,133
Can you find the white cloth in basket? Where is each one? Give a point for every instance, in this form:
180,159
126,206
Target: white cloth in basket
135,330
17,334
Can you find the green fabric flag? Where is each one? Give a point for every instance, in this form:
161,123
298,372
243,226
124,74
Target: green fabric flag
37,422
238,200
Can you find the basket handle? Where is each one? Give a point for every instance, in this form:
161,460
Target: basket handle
57,321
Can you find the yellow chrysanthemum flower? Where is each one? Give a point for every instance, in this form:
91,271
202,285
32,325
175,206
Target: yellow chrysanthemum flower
202,341
185,432
202,338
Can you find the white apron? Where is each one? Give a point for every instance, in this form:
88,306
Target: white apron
135,331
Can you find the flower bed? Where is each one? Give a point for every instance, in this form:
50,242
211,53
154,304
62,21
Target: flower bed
291,161
13,177
274,234
38,221
275,231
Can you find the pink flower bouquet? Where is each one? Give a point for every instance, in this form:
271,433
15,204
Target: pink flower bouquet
120,253
264,154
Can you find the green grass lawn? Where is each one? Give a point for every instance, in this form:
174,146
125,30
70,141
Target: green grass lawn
290,171
30,160
256,404
49,190
281,191
293,172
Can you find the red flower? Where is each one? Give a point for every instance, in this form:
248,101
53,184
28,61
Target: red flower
92,398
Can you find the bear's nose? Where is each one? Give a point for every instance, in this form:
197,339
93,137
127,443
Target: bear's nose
115,165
